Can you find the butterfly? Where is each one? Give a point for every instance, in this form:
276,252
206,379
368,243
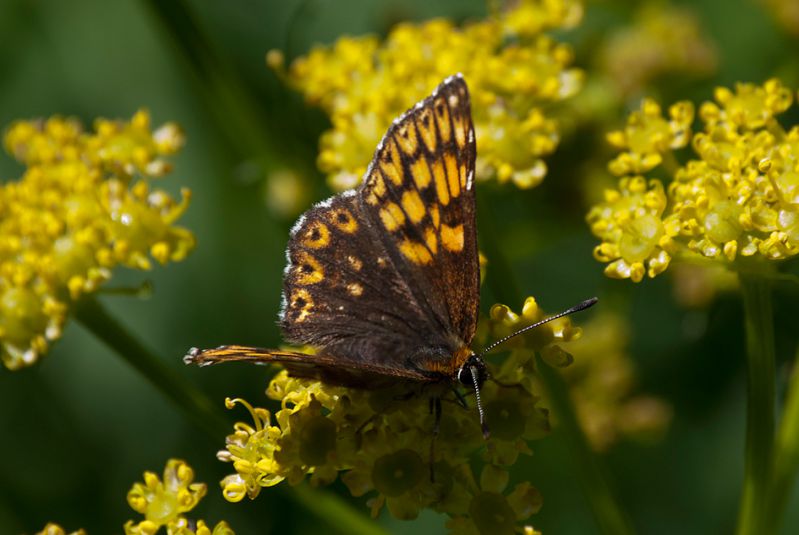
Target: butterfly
384,279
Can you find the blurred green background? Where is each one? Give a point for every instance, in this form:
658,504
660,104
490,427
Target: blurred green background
79,428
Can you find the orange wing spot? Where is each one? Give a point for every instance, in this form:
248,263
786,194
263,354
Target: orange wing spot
390,163
442,118
375,187
427,129
308,270
316,236
452,238
355,289
441,182
431,239
452,175
301,304
421,173
413,205
461,129
392,216
462,174
415,252
355,262
435,215
343,220
407,139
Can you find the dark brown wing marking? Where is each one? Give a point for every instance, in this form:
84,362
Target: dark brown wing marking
342,292
419,192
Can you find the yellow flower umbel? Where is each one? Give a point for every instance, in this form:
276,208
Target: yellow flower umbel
381,442
737,197
164,502
83,206
55,529
662,39
785,13
515,73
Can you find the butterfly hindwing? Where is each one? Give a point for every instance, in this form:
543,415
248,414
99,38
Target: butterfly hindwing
343,294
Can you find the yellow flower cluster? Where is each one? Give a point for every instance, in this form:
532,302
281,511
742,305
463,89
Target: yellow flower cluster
785,13
83,206
514,72
164,502
661,39
54,529
601,384
381,442
736,198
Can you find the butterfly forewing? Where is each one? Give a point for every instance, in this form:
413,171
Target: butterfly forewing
419,193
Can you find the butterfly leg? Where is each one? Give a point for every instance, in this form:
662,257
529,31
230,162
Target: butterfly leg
460,398
435,410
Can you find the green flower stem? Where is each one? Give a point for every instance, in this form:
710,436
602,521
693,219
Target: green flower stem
197,406
336,514
786,462
610,518
234,106
759,323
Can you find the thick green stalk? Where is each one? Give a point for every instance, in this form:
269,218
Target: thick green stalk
759,323
786,463
610,518
231,101
196,405
337,515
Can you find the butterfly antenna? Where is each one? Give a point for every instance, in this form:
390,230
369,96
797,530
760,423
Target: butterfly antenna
476,381
576,308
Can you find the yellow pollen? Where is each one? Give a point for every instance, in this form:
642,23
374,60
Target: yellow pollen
413,205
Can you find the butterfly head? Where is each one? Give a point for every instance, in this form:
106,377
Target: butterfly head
473,373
